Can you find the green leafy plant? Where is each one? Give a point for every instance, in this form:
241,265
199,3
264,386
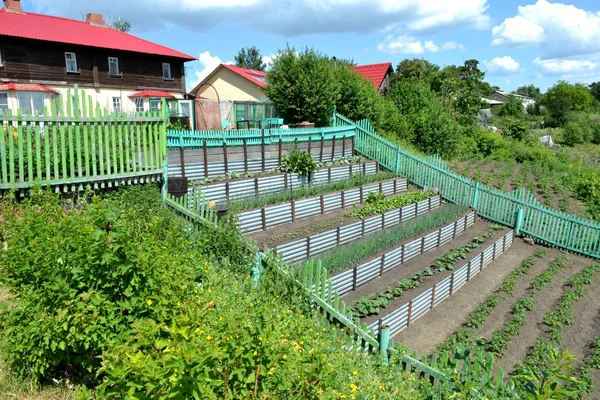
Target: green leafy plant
299,162
509,283
374,197
379,204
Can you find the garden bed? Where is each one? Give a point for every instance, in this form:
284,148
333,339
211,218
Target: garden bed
254,187
327,239
288,213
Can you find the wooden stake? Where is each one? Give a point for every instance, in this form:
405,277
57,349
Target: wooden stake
205,159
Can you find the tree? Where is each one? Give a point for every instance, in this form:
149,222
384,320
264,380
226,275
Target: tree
513,107
250,58
529,91
122,25
418,69
564,97
303,86
595,89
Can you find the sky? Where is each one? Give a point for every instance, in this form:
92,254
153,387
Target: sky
517,42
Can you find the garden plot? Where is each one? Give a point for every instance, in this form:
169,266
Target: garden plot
309,237
276,182
329,205
385,294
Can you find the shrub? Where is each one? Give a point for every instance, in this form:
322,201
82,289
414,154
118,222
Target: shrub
300,162
576,133
515,129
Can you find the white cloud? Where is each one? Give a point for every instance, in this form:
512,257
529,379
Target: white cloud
286,18
503,66
565,68
559,30
268,60
405,44
209,63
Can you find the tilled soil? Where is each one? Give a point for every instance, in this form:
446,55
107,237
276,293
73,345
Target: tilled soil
544,302
435,326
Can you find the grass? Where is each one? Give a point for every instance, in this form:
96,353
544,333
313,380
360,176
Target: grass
237,206
343,256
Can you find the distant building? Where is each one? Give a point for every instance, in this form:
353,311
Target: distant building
501,97
378,74
42,56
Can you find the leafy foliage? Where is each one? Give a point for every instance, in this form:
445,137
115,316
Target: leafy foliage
564,97
299,162
378,204
529,91
509,283
513,107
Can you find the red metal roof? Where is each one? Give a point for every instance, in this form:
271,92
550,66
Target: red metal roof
152,93
374,72
254,76
63,30
25,87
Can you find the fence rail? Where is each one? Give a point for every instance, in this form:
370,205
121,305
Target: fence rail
408,313
194,208
80,147
314,245
542,223
253,137
268,217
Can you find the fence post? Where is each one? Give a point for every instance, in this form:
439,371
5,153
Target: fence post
280,151
452,283
225,161
432,297
205,149
519,221
475,197
245,154
384,343
397,160
333,148
322,143
409,317
181,154
262,150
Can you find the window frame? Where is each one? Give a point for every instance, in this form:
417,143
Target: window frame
7,102
31,102
170,77
139,100
74,60
114,60
120,104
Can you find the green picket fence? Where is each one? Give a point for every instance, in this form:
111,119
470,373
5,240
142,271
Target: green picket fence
518,209
253,137
76,144
194,207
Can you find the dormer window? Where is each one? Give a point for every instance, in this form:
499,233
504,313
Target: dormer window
71,62
113,66
166,69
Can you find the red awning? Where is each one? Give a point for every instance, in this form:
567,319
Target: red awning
152,93
25,87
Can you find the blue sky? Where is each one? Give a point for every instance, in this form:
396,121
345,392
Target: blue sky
518,42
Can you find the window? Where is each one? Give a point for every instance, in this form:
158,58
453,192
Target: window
71,62
139,104
155,105
113,66
116,101
3,103
166,71
31,103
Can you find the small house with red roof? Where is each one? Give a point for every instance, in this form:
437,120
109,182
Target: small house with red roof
239,93
42,56
378,74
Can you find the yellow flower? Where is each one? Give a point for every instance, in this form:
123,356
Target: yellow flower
149,302
178,304
353,387
212,204
284,357
355,373
255,353
209,338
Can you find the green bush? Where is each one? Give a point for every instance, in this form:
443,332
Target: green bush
300,162
515,129
576,133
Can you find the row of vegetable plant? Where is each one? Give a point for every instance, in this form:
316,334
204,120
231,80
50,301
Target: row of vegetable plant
349,254
374,302
378,204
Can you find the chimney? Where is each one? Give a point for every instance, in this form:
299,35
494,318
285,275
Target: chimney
93,19
13,6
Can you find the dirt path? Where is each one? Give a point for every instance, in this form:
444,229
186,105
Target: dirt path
416,264
434,327
309,226
544,302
